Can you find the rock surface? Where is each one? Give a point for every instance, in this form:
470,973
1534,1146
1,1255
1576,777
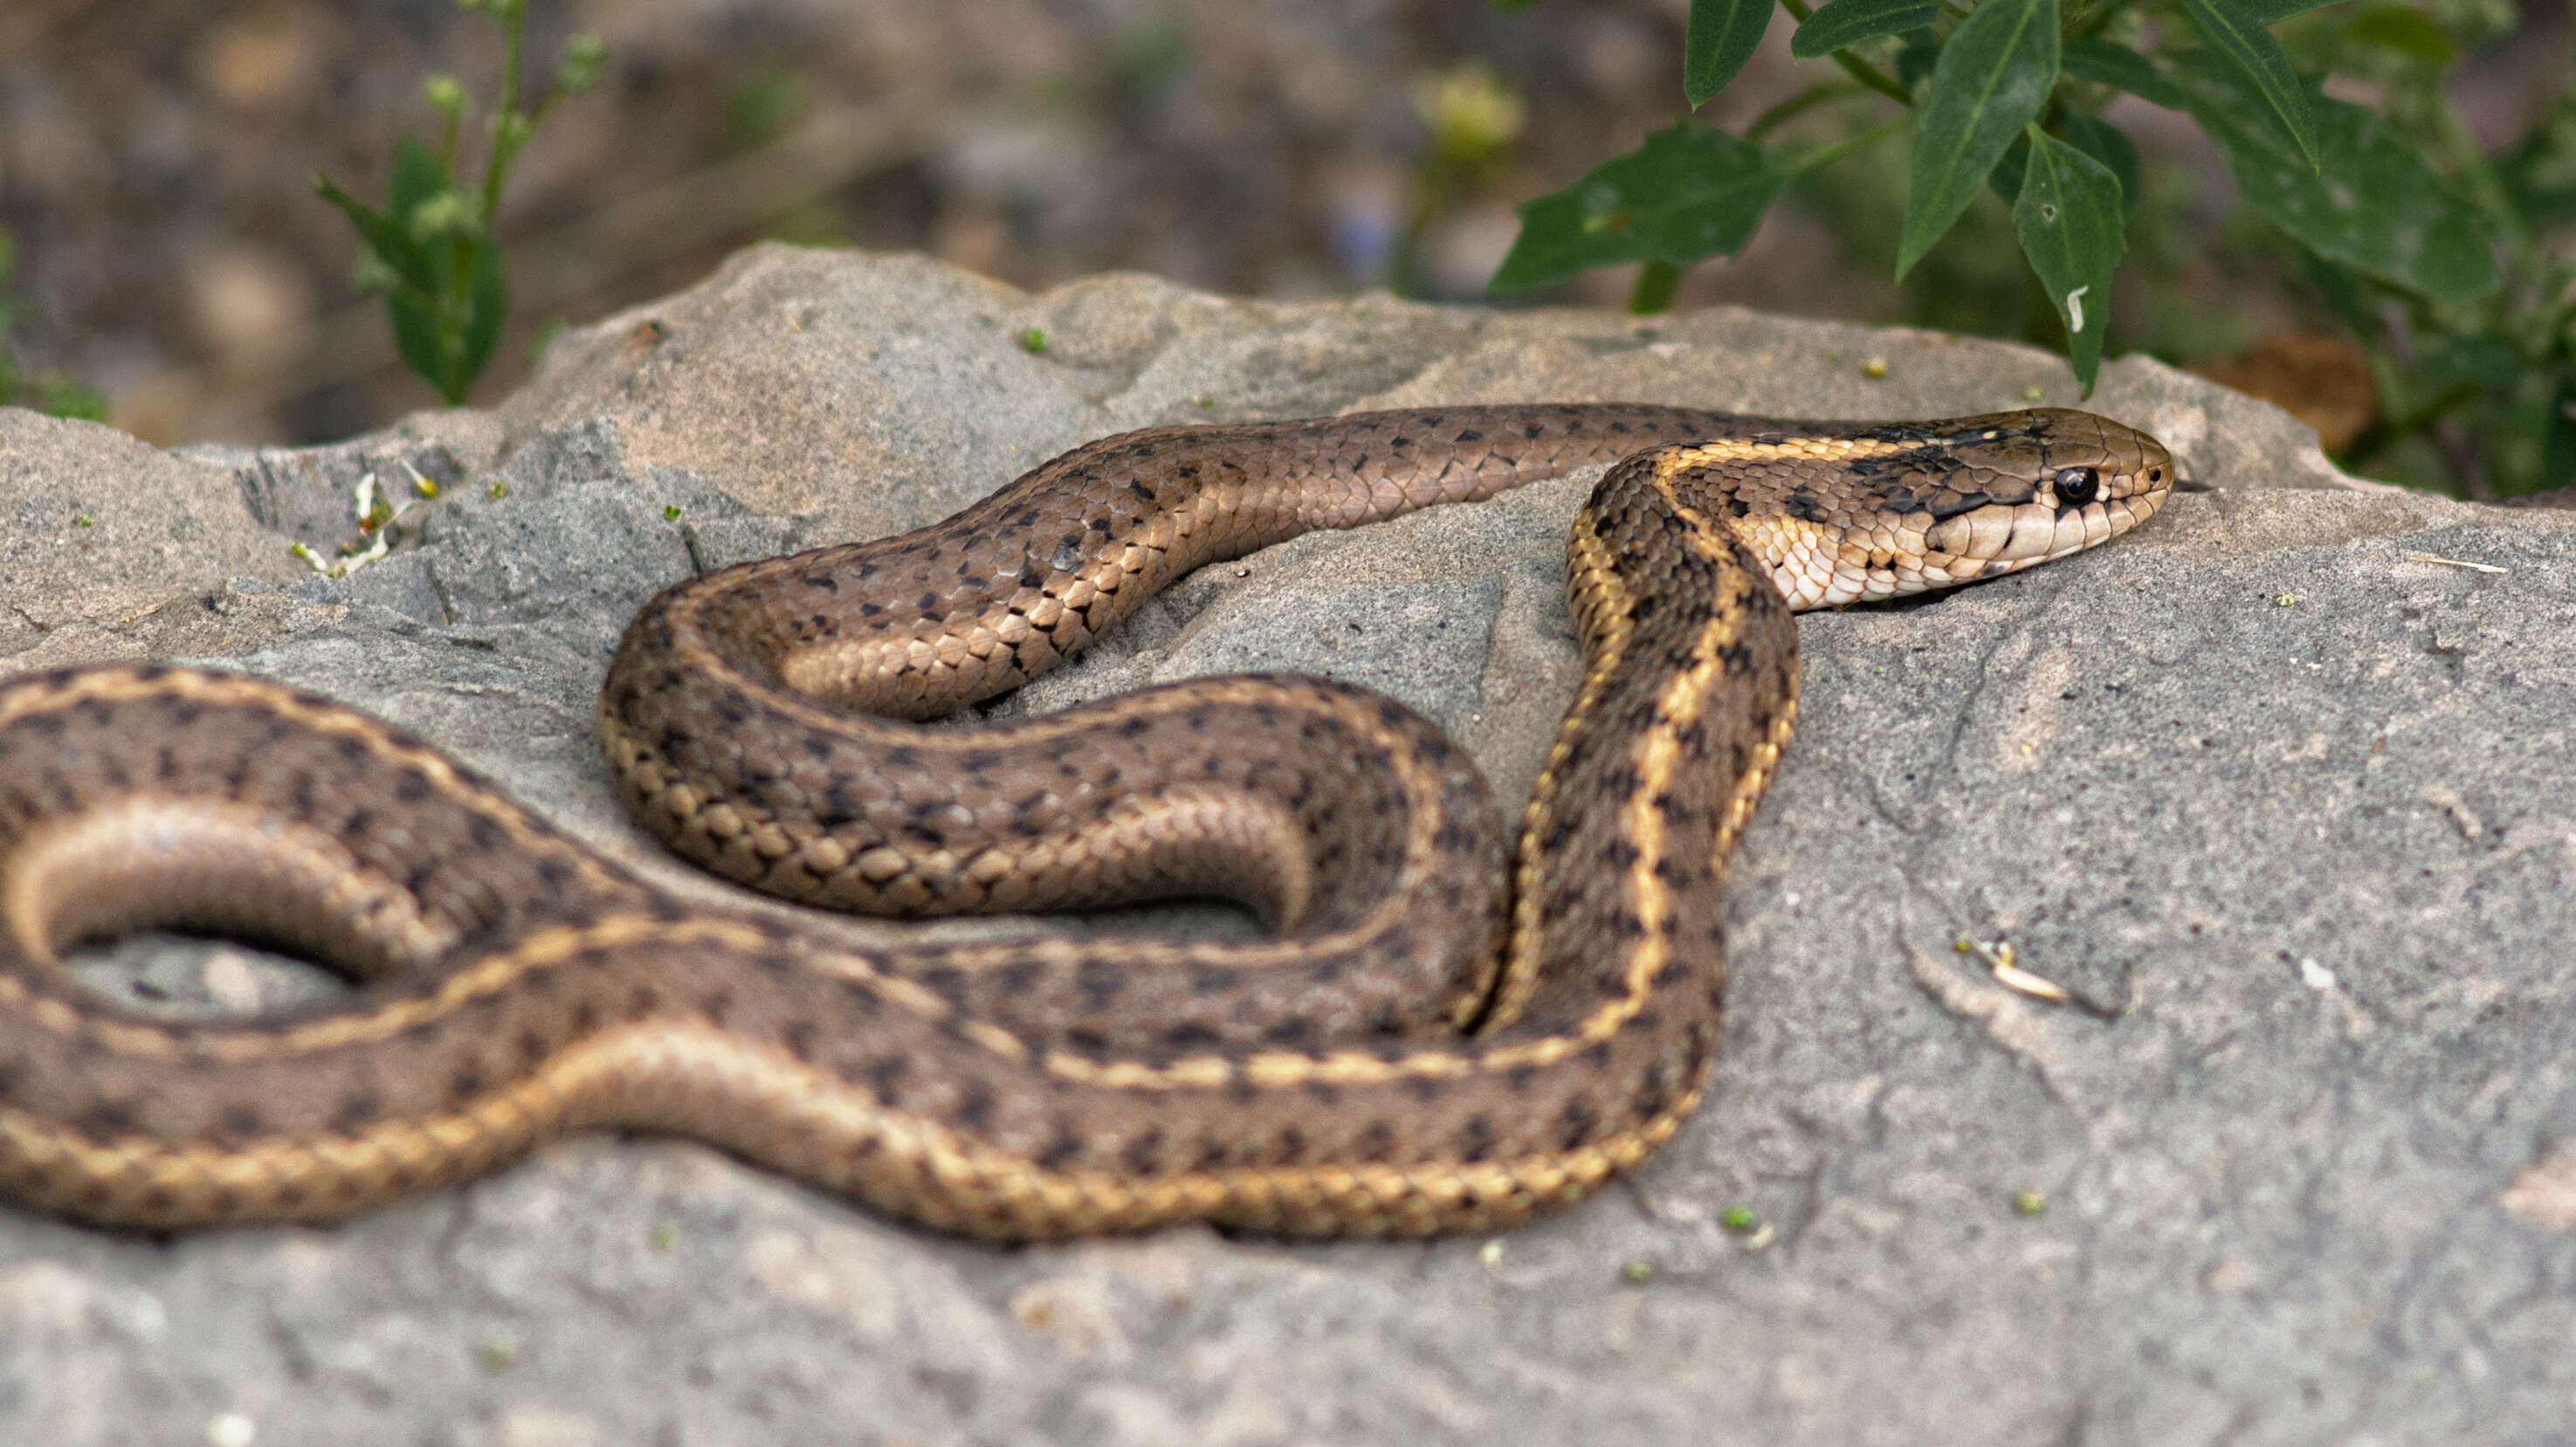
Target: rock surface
2278,788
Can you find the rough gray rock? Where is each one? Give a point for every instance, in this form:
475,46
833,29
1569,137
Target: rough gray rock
2278,788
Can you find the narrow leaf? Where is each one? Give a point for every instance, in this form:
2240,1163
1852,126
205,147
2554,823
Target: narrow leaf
2405,31
2069,218
416,337
490,307
389,242
2375,206
1843,22
1991,81
2104,63
2232,32
2273,12
2112,147
417,177
1720,39
1691,191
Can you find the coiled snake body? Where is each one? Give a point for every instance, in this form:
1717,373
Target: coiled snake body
1429,1042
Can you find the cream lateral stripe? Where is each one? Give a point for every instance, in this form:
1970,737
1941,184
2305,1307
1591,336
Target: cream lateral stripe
1804,449
506,1121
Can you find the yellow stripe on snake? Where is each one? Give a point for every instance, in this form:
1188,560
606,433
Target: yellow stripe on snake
1435,1037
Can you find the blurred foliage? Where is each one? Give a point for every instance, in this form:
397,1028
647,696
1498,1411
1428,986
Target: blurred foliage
432,250
1471,120
2016,203
57,394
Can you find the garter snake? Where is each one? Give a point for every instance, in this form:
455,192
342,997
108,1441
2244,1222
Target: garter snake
1428,1040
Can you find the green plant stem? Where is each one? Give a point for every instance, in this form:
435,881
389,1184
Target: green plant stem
1853,66
1799,104
1827,155
1654,289
503,151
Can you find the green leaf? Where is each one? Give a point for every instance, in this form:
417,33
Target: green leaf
417,177
2273,12
391,244
1914,63
2558,439
2069,218
489,309
1691,191
2231,31
416,337
1843,22
1720,39
2394,27
2375,207
2121,68
2112,147
1991,81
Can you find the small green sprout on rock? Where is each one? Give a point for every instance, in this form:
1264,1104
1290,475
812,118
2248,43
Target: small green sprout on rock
432,250
2030,1204
1033,341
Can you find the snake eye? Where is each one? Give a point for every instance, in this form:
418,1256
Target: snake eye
2077,485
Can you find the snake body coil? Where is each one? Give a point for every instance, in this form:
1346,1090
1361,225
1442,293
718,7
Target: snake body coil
1424,1045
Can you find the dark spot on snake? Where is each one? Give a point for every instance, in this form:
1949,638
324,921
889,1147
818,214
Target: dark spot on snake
411,785
1087,1042
1290,1032
1575,1124
1144,1155
1133,727
42,723
1062,1149
797,1039
1141,491
483,835
1188,1035
947,982
464,1085
929,605
357,1108
241,1120
1475,1139
1534,430
1422,1088
1468,434
1100,981
1376,1143
585,1018
533,1046
1290,1147
885,1076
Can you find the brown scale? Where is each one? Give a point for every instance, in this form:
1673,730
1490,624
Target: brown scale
1418,1048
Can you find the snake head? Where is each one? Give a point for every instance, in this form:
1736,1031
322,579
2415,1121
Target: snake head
2014,489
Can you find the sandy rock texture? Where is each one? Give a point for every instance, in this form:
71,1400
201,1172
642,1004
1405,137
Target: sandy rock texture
2278,789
